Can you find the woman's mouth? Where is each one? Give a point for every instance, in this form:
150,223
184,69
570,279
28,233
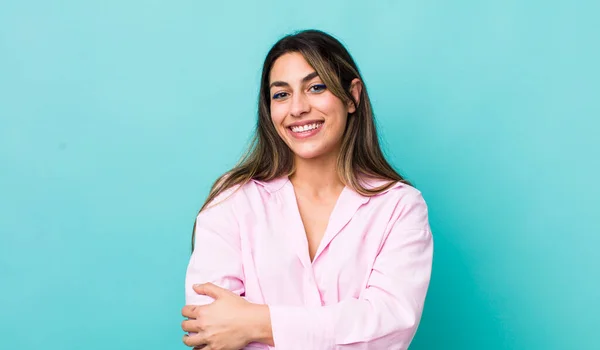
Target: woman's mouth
306,130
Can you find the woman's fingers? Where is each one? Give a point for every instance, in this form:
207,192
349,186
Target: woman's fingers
191,326
190,311
197,341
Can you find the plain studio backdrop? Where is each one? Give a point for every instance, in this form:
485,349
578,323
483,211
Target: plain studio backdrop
116,116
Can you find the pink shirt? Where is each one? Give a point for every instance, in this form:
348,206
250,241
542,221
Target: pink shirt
364,289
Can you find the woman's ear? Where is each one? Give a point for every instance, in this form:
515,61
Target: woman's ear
355,91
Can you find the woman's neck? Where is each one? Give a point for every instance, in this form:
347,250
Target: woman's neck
317,177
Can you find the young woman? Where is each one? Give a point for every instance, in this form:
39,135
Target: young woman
313,241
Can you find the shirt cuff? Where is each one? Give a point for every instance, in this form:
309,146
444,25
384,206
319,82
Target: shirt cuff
302,328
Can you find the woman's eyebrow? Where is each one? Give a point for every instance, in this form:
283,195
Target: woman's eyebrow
308,77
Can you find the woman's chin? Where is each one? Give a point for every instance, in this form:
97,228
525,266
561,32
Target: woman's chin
311,153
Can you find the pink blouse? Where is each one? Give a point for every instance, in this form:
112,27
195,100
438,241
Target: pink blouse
365,287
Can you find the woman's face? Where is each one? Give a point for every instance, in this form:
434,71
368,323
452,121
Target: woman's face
308,117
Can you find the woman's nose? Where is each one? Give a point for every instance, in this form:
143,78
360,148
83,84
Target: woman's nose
300,105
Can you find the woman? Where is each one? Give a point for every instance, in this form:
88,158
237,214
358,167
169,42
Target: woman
313,241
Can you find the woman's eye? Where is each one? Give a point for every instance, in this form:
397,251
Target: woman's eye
279,95
318,88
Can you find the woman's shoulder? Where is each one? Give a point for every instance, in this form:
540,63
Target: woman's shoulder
405,202
392,189
250,190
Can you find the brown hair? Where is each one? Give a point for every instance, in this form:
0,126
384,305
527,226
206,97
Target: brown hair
268,157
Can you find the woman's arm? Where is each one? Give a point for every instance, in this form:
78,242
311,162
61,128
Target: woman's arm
217,256
214,284
385,316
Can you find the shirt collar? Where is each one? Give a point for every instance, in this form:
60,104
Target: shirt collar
273,185
276,184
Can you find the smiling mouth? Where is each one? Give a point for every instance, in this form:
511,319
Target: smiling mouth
306,128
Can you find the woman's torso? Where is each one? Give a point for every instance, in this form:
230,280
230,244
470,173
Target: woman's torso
276,264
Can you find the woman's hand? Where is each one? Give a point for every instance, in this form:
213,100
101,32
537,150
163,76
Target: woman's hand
225,324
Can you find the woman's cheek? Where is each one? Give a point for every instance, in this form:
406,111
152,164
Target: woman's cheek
277,114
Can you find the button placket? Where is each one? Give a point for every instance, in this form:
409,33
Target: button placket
312,296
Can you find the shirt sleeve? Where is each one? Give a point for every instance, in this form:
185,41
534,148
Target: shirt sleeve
217,254
388,311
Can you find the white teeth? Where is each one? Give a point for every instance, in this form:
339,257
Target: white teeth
306,127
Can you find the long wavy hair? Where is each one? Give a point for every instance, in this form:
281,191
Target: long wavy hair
268,157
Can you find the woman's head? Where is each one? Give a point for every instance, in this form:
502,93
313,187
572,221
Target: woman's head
310,119
309,79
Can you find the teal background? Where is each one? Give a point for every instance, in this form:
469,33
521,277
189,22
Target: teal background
116,116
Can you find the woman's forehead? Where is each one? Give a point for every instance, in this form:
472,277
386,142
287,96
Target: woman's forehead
290,67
